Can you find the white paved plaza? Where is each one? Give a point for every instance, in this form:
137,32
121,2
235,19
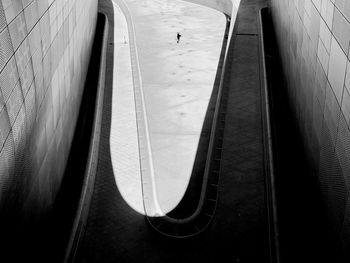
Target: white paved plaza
176,81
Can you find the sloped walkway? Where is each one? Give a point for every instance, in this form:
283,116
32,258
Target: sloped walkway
239,231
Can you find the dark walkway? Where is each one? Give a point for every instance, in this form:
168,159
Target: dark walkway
305,233
239,232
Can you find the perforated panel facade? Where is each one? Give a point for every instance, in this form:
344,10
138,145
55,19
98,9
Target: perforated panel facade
44,53
314,39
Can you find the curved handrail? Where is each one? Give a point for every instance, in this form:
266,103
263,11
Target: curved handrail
202,216
268,145
80,219
149,193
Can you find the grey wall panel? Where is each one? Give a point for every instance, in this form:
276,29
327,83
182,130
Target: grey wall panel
44,53
314,40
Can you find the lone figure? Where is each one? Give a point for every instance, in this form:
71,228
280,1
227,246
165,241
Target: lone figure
178,37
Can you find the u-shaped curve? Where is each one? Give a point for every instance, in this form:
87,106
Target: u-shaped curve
203,215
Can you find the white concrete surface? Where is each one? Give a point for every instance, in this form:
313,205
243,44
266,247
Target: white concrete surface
228,7
177,84
123,138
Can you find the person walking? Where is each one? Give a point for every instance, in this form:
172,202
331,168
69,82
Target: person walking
178,37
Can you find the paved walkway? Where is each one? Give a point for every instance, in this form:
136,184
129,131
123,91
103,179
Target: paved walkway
239,232
124,137
177,83
169,85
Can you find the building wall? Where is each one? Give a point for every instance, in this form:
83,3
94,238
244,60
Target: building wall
44,54
314,37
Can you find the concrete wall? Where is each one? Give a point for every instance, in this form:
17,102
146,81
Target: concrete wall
314,37
44,54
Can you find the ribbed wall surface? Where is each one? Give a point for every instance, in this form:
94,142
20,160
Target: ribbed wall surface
314,37
44,54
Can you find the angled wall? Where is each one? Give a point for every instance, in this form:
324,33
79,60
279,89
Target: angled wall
44,54
314,38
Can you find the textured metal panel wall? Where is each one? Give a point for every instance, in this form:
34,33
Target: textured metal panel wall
44,53
314,39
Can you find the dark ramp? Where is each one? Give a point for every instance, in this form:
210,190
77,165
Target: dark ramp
239,230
